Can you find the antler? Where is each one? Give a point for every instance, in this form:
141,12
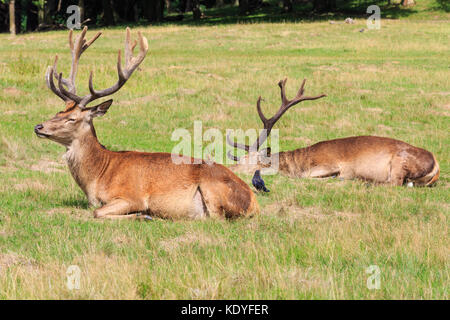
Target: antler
76,49
69,94
131,63
269,123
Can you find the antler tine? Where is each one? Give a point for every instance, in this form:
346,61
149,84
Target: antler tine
128,50
88,43
131,63
260,113
77,49
282,85
302,89
261,139
51,85
232,156
286,103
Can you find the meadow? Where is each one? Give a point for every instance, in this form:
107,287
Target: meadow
314,239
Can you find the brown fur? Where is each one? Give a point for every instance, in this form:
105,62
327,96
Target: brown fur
128,182
371,158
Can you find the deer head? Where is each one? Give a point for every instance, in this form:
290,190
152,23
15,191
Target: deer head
76,119
255,158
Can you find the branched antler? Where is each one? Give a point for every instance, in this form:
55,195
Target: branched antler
77,48
269,123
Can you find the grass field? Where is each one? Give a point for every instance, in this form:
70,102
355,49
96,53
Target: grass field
314,238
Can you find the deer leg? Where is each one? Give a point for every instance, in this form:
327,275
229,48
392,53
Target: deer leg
118,209
397,173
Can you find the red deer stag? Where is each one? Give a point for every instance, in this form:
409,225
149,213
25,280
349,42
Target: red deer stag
371,158
127,183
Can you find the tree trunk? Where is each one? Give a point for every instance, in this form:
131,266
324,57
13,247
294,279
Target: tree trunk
49,7
108,15
188,7
324,5
12,17
196,13
82,10
243,7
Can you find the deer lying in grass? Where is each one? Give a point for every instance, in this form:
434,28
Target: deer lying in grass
376,159
127,183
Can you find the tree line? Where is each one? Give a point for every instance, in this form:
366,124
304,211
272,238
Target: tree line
31,15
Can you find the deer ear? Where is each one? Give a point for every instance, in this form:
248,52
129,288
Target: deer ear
101,109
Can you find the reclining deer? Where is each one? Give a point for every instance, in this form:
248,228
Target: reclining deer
371,158
127,183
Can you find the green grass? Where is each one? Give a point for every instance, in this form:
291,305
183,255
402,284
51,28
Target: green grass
314,238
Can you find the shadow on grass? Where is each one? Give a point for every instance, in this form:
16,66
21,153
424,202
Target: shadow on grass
74,202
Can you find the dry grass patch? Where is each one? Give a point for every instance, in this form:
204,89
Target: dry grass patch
153,98
302,140
319,240
11,112
190,239
122,239
11,149
293,212
186,91
47,166
12,91
383,128
208,289
10,259
29,184
341,124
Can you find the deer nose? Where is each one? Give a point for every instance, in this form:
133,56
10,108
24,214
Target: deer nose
38,127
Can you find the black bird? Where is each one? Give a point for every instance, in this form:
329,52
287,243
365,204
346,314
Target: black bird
258,182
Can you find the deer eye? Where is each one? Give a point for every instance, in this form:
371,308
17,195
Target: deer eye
71,120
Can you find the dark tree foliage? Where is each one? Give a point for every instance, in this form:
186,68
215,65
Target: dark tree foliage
324,5
31,15
247,6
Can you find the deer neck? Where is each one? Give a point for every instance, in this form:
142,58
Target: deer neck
87,160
